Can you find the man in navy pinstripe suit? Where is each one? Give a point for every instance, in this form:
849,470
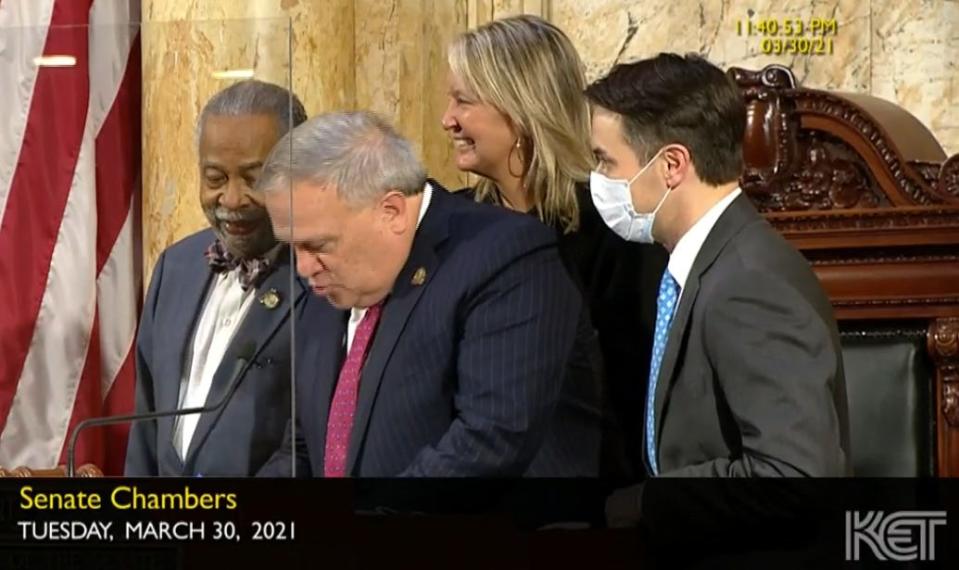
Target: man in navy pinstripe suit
436,342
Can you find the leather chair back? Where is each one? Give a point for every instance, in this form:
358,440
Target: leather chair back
891,404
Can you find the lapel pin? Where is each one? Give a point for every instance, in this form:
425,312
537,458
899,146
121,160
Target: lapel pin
270,299
419,276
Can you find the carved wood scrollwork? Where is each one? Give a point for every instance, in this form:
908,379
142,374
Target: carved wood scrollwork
943,344
830,105
789,169
949,178
792,168
929,171
879,219
769,147
828,176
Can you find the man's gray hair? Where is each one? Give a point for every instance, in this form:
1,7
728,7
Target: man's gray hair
358,153
253,97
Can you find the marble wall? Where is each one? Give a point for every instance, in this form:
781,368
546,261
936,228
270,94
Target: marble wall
905,51
184,43
389,56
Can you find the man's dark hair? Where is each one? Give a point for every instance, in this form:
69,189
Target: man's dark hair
671,99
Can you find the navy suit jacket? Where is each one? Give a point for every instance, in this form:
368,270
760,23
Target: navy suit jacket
241,436
466,373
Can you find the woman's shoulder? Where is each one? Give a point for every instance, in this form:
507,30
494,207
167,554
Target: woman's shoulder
607,246
591,226
465,192
589,218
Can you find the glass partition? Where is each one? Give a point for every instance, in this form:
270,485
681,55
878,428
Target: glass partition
216,101
112,198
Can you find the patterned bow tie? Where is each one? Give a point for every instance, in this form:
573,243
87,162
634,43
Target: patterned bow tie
251,270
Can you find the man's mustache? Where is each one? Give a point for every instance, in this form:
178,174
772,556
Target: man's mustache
226,215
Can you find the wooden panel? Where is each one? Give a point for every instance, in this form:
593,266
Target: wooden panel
944,349
883,290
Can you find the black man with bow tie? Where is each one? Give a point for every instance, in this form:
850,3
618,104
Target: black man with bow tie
213,292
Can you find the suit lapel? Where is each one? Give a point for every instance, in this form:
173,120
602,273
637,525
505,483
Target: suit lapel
737,215
258,326
187,305
407,291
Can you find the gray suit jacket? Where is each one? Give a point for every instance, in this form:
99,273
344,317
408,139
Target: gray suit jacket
751,382
241,436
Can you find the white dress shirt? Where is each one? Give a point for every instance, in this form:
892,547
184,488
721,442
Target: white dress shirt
225,309
356,314
687,248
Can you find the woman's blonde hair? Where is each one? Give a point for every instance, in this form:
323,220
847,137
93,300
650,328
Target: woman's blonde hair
528,69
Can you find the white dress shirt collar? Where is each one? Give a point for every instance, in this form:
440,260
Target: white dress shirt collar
687,248
427,197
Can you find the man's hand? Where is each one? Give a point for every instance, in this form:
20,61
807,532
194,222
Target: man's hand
623,507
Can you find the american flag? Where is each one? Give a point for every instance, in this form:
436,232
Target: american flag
69,226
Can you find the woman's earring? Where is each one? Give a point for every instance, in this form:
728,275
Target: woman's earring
518,147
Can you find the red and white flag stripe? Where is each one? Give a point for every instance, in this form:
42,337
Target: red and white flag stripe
69,248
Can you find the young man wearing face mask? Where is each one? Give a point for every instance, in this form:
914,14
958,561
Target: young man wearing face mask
211,295
746,376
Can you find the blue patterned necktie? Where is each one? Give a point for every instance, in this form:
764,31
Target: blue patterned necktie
665,307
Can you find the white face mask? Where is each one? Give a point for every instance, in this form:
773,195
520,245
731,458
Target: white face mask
615,204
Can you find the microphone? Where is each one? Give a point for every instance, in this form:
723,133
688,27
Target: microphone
244,357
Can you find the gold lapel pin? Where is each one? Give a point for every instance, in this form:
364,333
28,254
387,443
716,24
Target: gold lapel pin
270,299
419,276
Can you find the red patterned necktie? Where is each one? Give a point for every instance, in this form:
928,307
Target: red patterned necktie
343,408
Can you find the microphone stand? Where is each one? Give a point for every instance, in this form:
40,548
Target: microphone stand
244,358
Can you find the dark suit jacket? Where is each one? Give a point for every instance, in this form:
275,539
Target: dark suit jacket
619,282
465,373
241,436
751,382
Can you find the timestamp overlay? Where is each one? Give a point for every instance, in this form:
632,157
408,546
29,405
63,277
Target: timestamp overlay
789,36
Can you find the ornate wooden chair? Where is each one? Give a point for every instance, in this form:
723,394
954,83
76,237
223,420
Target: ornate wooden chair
867,194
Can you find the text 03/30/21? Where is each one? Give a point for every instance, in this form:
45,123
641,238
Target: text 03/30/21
796,46
155,531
